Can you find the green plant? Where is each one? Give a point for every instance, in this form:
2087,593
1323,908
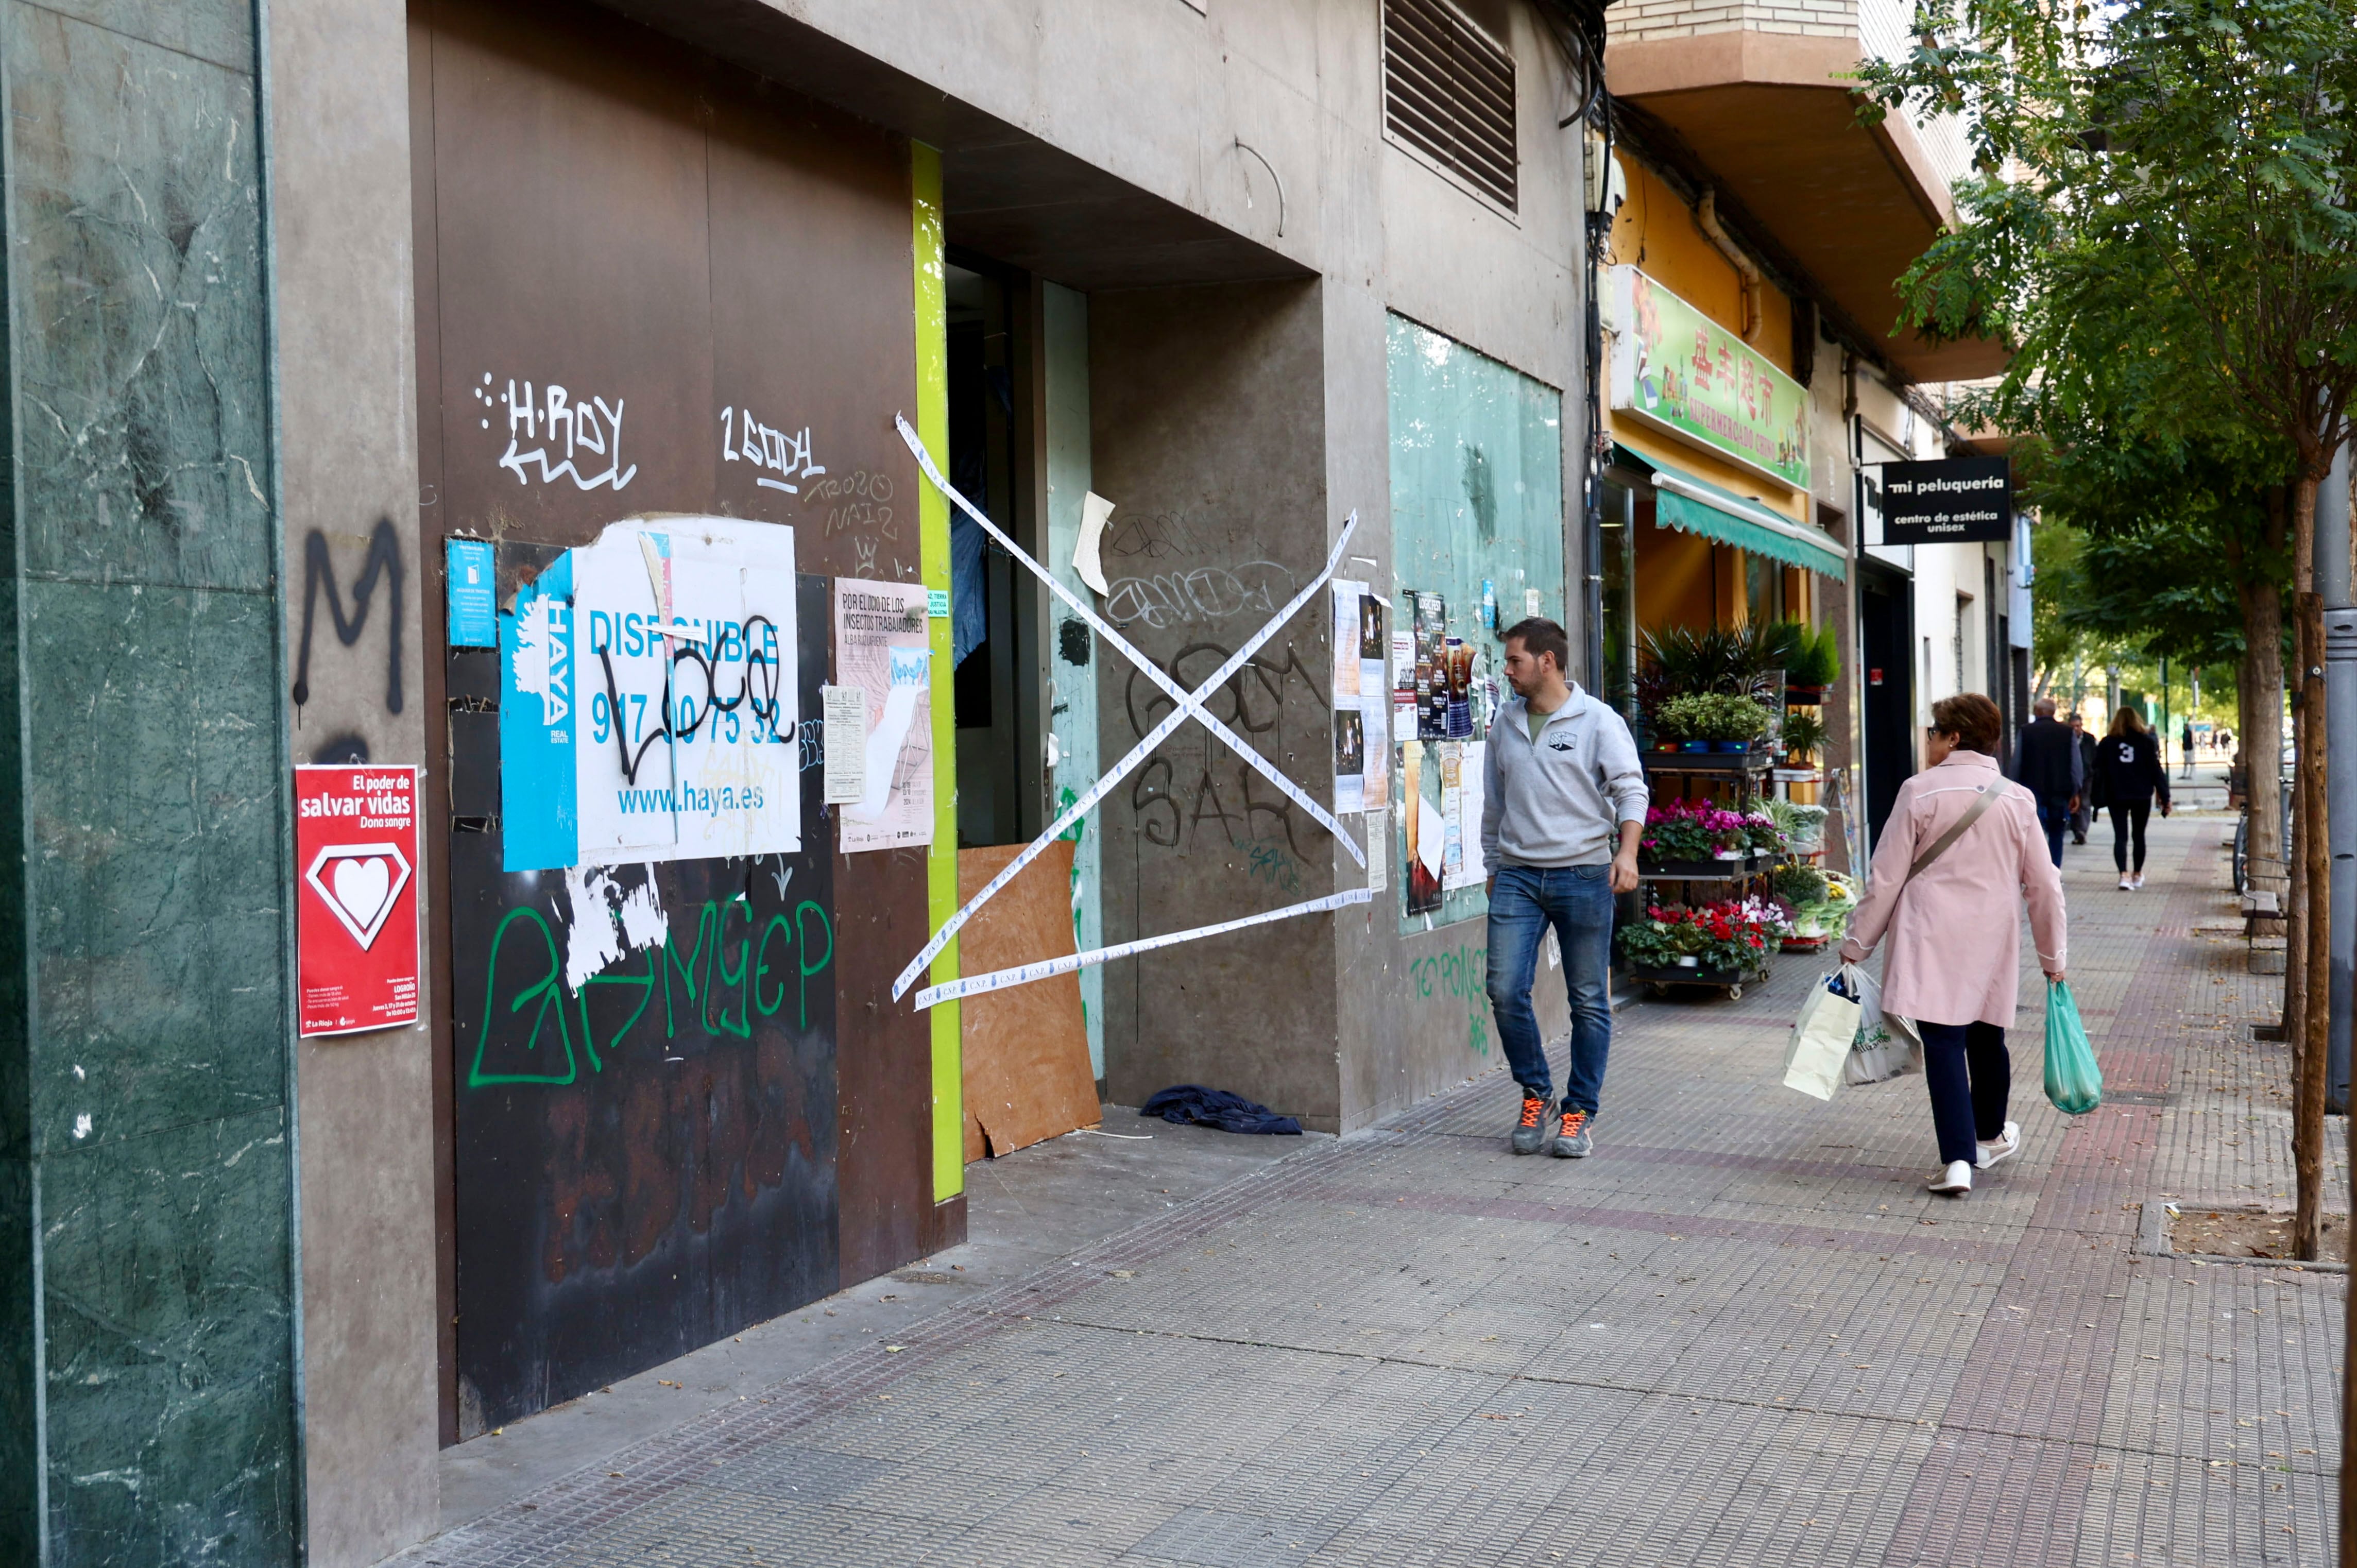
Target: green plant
1712,715
1803,732
1689,661
1817,661
1801,885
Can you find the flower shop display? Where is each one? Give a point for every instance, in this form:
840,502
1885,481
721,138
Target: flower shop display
1724,943
1692,836
1719,720
1804,734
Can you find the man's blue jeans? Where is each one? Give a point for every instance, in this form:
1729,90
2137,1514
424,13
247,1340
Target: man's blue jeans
2054,816
1577,901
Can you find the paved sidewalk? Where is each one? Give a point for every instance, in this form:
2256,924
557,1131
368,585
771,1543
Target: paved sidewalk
1742,1333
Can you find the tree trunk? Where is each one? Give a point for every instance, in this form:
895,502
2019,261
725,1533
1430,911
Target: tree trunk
2310,953
2262,714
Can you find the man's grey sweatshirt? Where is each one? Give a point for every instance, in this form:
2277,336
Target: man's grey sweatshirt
1560,799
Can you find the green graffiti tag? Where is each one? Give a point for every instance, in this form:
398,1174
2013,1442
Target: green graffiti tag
693,986
1463,974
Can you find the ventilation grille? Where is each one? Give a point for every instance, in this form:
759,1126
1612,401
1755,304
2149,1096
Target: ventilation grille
1448,91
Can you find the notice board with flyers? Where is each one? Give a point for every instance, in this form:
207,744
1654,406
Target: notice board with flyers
1477,544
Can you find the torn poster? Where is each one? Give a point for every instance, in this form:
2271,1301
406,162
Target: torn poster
1425,835
649,706
881,648
1466,831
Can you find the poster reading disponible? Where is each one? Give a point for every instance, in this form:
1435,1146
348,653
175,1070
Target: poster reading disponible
881,651
648,707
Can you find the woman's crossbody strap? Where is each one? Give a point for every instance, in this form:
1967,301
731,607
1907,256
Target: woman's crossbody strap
1940,845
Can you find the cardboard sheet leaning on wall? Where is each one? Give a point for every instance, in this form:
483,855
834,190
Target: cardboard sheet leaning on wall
1189,705
648,698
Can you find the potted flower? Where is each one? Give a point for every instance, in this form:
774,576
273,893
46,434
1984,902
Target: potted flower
1804,734
1690,838
1762,839
1728,722
1684,722
1719,944
1804,827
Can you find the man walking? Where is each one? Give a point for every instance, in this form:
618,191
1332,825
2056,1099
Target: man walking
1563,808
2043,763
2189,748
2083,776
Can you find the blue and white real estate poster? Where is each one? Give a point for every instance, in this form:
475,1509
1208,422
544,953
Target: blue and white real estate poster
648,707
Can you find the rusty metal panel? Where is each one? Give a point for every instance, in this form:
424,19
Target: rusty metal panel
701,264
645,1161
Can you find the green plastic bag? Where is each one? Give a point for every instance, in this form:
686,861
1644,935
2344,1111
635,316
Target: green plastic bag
2074,1082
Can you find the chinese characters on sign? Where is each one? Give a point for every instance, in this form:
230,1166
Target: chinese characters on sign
1679,370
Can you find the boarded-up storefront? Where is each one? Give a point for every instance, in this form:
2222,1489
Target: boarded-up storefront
678,1098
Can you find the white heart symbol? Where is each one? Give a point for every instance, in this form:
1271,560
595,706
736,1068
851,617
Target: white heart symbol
361,887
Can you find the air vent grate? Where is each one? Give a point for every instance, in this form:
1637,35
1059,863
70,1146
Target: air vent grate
1448,91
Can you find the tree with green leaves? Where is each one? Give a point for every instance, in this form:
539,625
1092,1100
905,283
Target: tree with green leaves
2162,231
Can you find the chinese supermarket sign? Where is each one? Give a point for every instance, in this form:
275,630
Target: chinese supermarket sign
1677,370
356,898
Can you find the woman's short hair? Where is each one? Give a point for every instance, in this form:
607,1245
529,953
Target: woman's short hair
2127,721
1972,718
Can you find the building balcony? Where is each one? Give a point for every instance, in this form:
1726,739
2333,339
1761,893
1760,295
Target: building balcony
1760,94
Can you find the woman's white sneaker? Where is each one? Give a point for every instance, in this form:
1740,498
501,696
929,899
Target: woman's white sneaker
2137,881
2008,1144
2127,882
1955,1181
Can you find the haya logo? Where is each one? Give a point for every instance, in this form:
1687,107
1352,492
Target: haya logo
359,882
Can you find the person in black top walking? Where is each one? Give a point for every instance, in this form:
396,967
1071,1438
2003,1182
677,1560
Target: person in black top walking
2042,764
2131,773
2189,748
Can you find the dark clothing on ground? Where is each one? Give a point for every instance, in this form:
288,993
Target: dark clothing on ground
1970,1075
2128,771
2129,821
1215,1108
2042,762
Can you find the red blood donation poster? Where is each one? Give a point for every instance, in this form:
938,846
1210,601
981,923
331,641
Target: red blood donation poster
356,891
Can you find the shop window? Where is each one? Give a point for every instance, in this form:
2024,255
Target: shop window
1477,544
1618,678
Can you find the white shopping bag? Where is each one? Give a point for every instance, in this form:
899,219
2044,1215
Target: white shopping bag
1888,1044
1818,1053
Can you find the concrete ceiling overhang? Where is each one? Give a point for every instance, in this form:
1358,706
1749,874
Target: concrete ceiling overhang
1005,193
1771,119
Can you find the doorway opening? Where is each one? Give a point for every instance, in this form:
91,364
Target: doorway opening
1885,643
997,607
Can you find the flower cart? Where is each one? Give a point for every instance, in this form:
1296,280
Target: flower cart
1716,947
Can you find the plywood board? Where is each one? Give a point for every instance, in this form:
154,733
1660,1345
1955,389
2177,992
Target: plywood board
1026,1048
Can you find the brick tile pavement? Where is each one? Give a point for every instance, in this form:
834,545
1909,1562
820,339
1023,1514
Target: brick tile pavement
1741,1334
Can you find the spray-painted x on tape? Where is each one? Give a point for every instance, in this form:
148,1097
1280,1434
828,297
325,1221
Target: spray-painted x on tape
1189,705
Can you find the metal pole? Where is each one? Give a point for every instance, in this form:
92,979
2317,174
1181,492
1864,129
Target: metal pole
2332,586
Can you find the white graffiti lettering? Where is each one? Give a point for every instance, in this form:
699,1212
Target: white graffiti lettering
745,439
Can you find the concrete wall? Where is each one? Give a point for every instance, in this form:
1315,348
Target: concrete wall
347,359
1207,426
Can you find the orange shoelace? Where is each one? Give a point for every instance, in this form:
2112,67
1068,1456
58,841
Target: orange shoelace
1532,1111
1573,1121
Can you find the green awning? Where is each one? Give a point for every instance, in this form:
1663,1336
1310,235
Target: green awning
1683,502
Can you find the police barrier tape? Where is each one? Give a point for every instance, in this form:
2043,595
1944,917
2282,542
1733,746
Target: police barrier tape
1189,705
1023,974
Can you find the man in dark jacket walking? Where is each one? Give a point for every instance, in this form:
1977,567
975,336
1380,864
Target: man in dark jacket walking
2043,763
2082,778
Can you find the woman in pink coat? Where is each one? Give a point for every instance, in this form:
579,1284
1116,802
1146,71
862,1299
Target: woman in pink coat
1955,927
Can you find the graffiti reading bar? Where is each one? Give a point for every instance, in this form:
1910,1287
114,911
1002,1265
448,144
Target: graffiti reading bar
1189,705
1024,974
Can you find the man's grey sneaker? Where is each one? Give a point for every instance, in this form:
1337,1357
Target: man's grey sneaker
1571,1139
1531,1130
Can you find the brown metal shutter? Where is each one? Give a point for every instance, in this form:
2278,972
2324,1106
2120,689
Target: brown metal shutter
1448,91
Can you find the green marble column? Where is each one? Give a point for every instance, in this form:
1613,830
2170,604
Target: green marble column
147,1398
